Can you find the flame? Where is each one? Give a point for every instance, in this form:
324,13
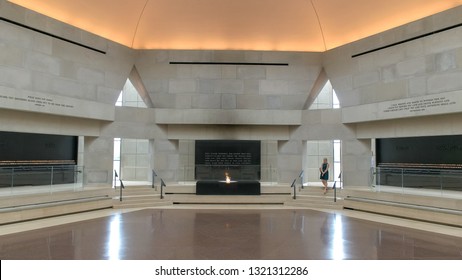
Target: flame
228,178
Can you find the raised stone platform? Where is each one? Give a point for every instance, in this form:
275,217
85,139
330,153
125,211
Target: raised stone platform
422,206
212,187
185,193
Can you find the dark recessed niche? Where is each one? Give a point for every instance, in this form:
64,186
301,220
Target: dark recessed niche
430,151
29,159
37,149
240,159
432,162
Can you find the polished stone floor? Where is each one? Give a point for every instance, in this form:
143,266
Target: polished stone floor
231,234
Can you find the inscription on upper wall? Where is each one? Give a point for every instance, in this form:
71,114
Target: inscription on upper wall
36,101
435,104
56,105
419,105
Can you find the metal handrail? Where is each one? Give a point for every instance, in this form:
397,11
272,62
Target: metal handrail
427,174
115,178
301,178
121,184
423,171
121,188
162,185
335,186
294,184
21,172
154,175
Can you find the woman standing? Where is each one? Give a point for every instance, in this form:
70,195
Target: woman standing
324,169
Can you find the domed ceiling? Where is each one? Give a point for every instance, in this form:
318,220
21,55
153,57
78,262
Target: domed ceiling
289,25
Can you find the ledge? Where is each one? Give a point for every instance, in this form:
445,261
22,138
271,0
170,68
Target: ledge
426,105
228,117
53,104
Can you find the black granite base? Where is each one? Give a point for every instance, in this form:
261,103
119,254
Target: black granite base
209,187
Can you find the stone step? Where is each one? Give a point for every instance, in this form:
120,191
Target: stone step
321,197
137,190
314,206
318,193
139,201
143,204
316,190
320,200
228,199
312,199
140,198
145,196
51,209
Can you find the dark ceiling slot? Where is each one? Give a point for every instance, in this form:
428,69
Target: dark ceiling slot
228,63
51,35
408,40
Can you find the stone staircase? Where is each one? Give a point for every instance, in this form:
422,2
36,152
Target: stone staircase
139,197
144,196
314,198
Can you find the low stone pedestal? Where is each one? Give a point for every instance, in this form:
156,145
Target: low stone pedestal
210,187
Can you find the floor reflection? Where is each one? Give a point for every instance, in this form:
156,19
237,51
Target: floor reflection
220,234
337,244
332,234
228,234
114,238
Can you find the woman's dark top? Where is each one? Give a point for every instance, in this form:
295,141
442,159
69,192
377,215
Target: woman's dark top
326,175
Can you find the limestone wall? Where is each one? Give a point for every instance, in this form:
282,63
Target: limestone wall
224,86
430,65
48,85
410,89
34,62
223,101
